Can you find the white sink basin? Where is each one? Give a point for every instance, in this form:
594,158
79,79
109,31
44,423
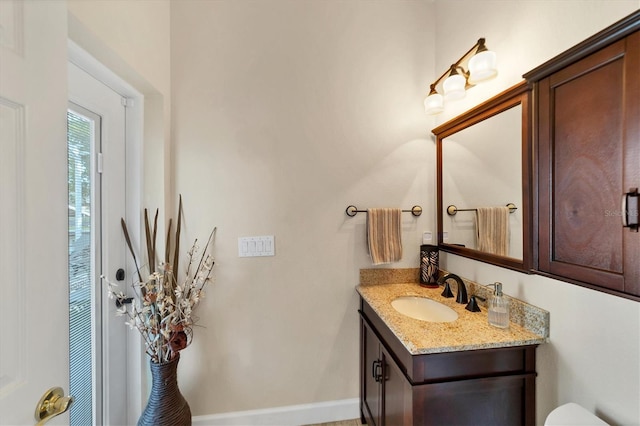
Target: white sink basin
424,309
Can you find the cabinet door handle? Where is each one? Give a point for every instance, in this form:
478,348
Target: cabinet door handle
376,370
630,209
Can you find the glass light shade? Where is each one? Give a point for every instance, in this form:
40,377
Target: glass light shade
454,87
482,66
434,104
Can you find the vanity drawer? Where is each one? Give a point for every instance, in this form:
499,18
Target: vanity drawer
464,365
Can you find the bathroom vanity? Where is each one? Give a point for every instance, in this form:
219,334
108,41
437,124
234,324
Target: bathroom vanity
463,372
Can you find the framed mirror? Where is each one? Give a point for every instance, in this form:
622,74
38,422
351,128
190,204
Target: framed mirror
484,181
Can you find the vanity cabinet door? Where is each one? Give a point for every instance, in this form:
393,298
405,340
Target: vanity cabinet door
397,391
370,374
386,393
588,157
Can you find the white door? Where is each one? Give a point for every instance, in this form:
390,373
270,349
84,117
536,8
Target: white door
97,190
34,340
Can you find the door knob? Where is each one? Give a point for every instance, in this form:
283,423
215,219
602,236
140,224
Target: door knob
52,403
123,301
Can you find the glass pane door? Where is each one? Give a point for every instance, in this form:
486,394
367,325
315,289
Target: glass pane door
83,139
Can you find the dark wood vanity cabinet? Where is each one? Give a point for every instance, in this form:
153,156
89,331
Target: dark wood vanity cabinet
477,387
587,127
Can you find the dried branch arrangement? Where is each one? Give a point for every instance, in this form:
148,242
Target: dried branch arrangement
162,309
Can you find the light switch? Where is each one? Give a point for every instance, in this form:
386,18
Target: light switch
256,246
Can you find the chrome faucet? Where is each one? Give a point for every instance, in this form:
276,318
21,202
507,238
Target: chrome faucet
462,290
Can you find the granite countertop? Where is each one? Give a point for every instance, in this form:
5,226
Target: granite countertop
469,332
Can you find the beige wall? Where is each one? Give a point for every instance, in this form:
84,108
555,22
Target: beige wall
592,358
284,113
137,31
132,39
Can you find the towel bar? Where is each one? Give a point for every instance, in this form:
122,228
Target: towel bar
353,210
452,210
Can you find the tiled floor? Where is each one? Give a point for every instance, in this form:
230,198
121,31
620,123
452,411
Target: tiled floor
354,422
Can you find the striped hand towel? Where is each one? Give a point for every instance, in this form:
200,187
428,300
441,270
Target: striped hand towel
384,235
492,226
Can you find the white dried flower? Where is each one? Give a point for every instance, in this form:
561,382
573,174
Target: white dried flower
162,308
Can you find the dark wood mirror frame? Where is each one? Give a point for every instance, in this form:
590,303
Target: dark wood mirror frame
519,94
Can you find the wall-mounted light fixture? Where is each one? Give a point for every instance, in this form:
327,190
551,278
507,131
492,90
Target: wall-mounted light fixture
480,64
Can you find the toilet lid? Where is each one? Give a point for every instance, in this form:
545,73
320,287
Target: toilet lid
572,414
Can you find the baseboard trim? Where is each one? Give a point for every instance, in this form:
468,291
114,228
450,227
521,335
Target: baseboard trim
294,415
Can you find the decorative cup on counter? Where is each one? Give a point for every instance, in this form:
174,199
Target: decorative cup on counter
428,265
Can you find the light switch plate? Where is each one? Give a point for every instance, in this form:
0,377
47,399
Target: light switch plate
427,237
256,246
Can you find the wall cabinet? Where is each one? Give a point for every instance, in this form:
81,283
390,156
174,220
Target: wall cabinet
480,387
587,109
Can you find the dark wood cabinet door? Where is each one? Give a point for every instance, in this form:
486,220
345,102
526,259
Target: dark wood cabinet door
588,157
370,366
397,394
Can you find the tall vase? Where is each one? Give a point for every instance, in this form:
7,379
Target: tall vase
166,405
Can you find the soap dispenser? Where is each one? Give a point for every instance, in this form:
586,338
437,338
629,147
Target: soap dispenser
498,308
